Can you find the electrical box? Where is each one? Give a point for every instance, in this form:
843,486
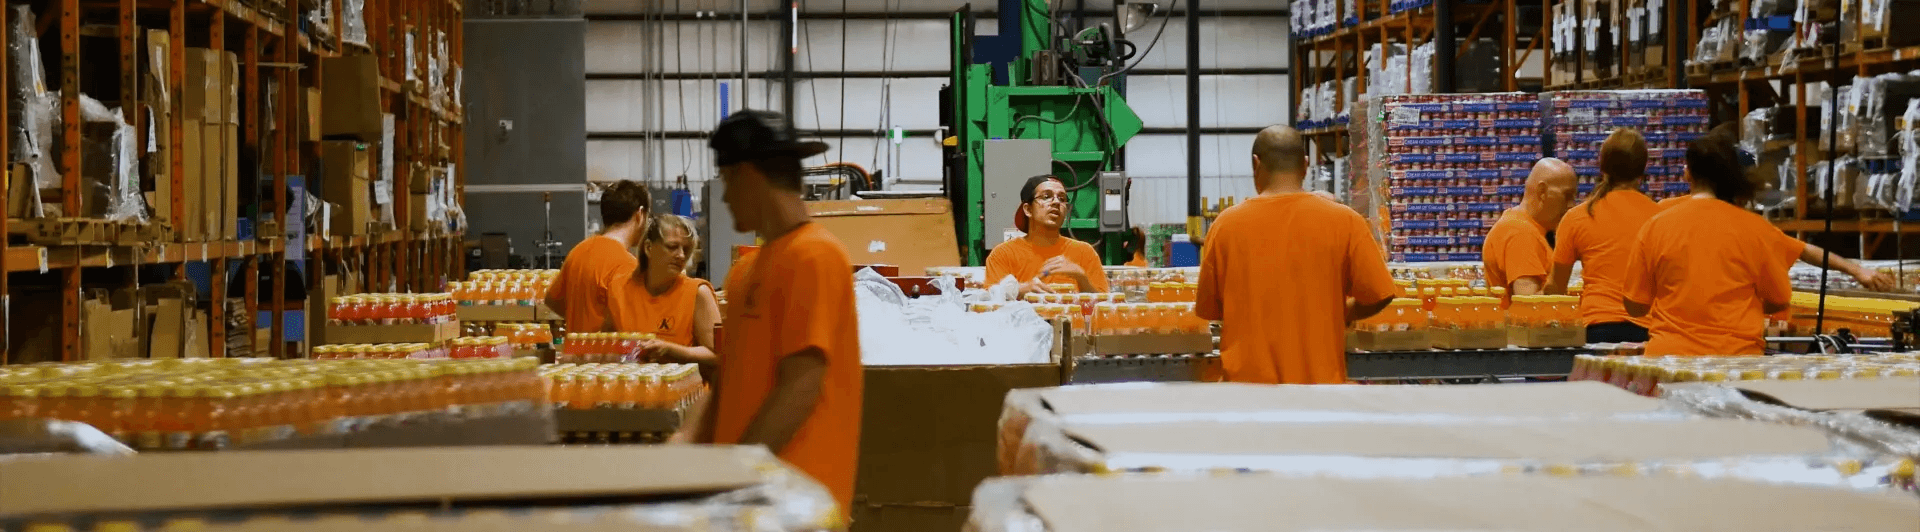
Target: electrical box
1009,163
1113,201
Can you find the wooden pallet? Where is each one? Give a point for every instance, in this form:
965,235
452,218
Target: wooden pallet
85,232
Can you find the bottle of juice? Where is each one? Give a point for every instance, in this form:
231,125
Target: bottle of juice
23,401
120,404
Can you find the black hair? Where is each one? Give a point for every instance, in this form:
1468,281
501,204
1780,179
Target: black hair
622,200
1712,162
1028,190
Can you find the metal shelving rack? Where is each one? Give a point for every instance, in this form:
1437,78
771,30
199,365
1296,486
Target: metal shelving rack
1737,89
270,44
1633,72
1333,55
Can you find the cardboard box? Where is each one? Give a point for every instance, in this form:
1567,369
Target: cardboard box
310,126
1150,344
927,432
911,233
229,213
82,485
393,334
212,179
346,178
318,300
486,313
1824,395
909,517
230,87
350,93
168,307
203,95
1388,341
157,100
109,332
193,176
1284,504
1547,336
417,213
1495,338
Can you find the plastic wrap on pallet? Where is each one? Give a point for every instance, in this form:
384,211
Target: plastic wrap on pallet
1754,129
109,163
20,436
353,22
1714,41
34,112
939,329
1871,436
1421,79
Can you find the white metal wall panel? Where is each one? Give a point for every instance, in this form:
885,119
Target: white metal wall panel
1163,200
1225,42
819,103
1228,101
918,158
614,106
620,47
1166,155
914,44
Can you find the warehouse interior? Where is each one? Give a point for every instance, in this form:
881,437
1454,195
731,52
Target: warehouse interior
958,265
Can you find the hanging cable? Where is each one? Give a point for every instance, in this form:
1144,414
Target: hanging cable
679,67
886,81
840,144
1150,44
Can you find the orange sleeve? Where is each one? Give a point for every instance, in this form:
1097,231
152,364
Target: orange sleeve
1640,280
1772,281
1088,260
819,295
1207,302
1368,280
1566,248
1003,261
1521,257
1789,247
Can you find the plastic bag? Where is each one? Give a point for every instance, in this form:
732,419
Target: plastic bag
353,22
897,330
33,111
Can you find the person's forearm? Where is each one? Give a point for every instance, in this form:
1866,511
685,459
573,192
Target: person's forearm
781,416
1820,257
1562,278
1526,286
1357,311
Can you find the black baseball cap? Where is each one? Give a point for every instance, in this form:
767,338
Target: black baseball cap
752,135
1027,192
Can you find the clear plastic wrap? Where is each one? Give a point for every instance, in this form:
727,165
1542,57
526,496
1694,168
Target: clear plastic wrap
1420,80
18,436
33,108
353,21
1870,435
939,329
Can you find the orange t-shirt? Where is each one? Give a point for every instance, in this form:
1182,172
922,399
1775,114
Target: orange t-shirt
669,316
1516,247
1789,247
588,272
1277,271
798,294
1022,260
1603,241
1705,267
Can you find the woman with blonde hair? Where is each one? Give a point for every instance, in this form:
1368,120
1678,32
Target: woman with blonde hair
659,298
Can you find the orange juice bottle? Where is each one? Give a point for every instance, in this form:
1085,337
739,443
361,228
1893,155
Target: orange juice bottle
630,391
23,401
55,403
568,391
1500,293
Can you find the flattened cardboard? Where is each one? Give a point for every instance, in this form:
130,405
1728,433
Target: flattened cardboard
1265,503
1152,344
201,97
928,433
534,312
345,183
1547,336
1469,338
312,118
230,183
1540,399
1604,440
193,175
912,233
1388,341
1853,394
393,334
243,479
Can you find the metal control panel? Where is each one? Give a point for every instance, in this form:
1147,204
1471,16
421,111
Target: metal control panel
1113,201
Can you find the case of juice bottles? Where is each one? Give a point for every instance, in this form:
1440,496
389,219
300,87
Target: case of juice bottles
222,403
622,385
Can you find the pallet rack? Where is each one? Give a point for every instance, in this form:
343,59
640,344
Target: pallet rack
1633,72
1738,89
1336,53
271,44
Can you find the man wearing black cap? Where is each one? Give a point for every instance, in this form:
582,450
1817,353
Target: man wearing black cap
790,377
1044,256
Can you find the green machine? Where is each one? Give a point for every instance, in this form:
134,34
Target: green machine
1038,99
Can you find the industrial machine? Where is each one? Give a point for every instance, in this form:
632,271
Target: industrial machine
1040,98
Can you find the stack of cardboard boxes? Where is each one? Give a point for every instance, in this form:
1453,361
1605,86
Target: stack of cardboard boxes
153,321
209,142
350,120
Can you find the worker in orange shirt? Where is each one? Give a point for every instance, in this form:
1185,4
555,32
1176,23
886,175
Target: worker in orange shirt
1600,233
1285,272
1516,255
1045,256
579,292
1705,273
791,379
660,299
1137,247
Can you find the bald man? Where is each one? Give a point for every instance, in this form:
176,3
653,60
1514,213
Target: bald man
1516,254
1285,273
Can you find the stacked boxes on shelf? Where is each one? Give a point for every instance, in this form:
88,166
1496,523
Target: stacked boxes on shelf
1668,119
1439,169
